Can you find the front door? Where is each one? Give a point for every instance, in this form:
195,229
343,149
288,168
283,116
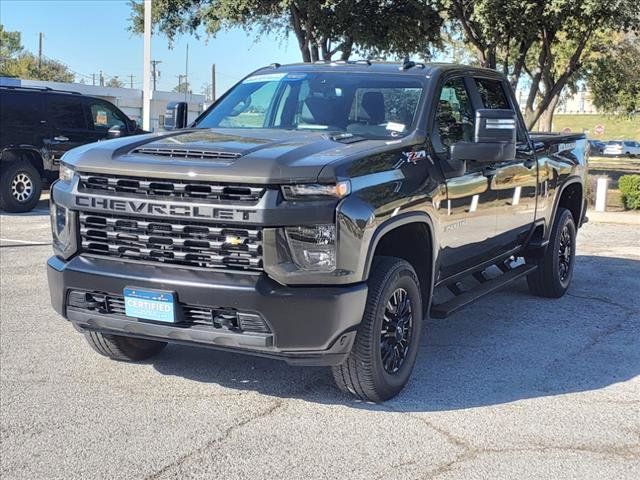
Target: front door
514,181
468,215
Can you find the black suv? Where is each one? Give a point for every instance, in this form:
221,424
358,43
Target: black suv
37,126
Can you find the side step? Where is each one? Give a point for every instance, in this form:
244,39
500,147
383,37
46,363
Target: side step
443,310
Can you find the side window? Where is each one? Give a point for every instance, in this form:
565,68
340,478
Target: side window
455,118
104,116
65,112
492,94
251,112
21,109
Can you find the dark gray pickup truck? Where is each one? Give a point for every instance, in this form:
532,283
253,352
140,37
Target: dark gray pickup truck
316,213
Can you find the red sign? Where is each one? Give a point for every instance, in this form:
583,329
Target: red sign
599,129
566,130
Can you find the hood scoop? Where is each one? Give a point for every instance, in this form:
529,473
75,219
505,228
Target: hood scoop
187,154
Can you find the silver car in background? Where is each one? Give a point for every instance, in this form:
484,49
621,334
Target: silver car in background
618,148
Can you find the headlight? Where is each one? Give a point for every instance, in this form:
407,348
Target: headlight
66,173
64,244
316,191
313,248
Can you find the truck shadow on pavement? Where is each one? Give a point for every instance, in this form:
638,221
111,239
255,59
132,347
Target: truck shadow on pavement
506,347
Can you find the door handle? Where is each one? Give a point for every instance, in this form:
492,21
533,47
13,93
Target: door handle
61,138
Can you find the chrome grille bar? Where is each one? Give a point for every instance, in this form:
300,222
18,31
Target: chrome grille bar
177,243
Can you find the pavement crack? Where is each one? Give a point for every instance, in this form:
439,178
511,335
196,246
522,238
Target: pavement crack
604,300
215,441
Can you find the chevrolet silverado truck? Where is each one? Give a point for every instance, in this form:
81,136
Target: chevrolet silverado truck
316,213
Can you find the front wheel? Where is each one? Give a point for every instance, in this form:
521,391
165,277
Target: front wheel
388,337
126,349
20,187
555,268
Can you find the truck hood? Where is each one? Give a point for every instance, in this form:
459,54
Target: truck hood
264,156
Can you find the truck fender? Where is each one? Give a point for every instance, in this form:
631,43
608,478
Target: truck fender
399,221
556,201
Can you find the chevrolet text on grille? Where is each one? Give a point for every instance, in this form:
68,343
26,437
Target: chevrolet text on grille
161,208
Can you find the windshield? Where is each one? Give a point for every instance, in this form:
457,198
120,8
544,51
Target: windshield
372,106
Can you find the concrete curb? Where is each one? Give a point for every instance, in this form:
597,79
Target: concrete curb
627,218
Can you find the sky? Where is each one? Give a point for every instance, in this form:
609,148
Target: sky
92,35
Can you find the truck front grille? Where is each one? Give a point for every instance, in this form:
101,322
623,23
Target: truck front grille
159,188
172,242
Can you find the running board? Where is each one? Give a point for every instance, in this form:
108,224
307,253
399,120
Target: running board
443,310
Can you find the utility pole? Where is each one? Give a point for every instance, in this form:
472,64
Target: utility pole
131,81
146,64
93,79
186,75
101,79
40,37
155,73
180,77
213,83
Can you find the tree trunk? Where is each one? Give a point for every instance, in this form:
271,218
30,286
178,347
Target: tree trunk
546,119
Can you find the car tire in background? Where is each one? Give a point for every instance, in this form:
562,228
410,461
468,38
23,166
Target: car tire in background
126,349
20,186
387,341
555,268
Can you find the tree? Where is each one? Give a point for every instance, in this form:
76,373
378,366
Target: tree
549,40
613,79
182,87
323,28
15,62
25,66
10,44
115,82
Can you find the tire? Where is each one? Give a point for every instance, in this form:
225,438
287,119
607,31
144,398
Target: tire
365,373
126,349
20,187
555,268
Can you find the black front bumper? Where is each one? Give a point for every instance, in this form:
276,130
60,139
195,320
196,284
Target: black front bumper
309,325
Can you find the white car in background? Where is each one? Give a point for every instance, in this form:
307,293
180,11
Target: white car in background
626,147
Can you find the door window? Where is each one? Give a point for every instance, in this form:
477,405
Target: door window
492,94
455,121
21,109
105,116
251,110
65,113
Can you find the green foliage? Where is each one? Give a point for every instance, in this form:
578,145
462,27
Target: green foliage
183,87
10,44
551,41
614,78
629,186
115,82
323,29
14,62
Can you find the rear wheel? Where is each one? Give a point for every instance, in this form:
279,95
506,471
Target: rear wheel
20,186
126,349
555,268
388,337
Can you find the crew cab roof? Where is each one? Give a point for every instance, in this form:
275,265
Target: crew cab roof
427,70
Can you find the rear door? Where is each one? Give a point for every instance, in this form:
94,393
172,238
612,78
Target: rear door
515,182
22,118
468,220
67,123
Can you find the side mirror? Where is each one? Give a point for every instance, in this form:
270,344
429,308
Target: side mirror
133,125
175,116
494,138
115,132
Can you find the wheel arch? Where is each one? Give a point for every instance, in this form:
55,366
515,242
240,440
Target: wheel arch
571,197
30,154
410,237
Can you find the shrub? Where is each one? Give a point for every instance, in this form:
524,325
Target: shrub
629,186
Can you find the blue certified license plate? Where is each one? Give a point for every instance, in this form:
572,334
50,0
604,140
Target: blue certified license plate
149,305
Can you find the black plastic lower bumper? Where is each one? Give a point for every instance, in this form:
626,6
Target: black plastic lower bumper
309,325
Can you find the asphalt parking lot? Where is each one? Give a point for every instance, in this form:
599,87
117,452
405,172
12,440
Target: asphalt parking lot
513,387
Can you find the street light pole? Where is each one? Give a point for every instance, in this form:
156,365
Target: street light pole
146,72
